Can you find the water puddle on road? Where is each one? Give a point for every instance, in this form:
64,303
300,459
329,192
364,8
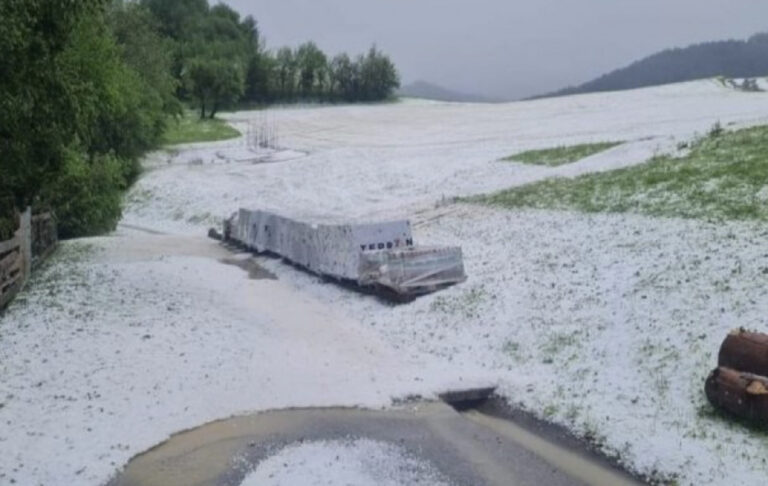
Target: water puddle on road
467,448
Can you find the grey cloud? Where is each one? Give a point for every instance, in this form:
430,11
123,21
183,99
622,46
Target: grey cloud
505,48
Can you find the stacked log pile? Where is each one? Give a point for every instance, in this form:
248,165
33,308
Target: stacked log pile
739,385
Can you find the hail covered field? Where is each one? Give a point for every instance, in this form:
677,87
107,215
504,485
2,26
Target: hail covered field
604,323
392,160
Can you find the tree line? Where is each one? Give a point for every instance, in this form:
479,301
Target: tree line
88,86
306,73
220,60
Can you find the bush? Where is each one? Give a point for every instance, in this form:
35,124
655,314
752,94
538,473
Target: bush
716,130
86,195
81,99
8,225
8,219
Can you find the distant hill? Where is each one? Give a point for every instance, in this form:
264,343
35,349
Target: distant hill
423,89
732,59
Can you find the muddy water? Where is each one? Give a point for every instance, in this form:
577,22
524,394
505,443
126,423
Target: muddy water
255,271
470,449
131,244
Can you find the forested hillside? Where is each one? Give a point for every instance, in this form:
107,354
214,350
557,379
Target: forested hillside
88,86
733,59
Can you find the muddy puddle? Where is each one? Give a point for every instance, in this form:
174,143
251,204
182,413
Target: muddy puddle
250,265
469,448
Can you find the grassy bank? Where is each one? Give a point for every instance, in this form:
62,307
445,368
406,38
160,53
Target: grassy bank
190,128
557,156
725,176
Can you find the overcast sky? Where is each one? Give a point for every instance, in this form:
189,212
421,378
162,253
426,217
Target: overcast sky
505,48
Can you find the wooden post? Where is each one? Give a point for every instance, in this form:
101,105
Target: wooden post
25,229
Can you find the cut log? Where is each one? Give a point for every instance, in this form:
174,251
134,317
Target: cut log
745,351
744,395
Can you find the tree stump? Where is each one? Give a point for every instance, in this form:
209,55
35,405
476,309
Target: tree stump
744,395
745,351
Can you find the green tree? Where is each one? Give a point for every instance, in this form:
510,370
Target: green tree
261,78
215,84
341,74
75,114
146,50
214,50
286,68
116,120
378,76
36,102
177,17
312,65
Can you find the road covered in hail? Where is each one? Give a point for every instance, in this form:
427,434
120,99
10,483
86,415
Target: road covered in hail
580,319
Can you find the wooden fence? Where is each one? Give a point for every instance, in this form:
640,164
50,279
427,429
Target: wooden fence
31,243
44,237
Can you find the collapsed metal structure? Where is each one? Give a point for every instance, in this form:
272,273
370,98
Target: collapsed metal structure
379,256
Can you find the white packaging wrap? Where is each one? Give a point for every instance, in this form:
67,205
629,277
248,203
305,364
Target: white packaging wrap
377,254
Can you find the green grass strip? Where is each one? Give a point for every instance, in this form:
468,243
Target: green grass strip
554,157
190,129
724,177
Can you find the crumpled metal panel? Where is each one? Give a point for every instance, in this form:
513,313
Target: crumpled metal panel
413,270
370,254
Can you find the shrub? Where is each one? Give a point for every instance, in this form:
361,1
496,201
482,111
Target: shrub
8,225
86,194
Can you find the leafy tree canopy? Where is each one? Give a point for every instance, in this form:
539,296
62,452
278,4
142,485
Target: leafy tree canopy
87,86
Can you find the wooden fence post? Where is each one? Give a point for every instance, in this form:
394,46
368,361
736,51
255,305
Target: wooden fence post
25,226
